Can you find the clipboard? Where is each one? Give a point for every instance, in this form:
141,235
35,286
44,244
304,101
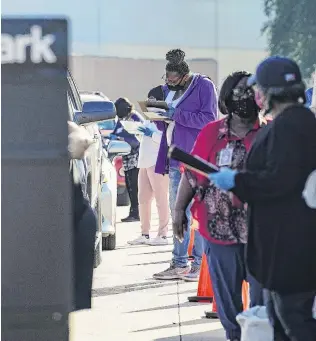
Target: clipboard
132,127
150,115
157,104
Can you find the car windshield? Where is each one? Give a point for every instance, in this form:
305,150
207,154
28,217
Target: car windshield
107,125
87,97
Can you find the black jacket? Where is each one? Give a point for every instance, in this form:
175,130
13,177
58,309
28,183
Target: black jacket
84,225
281,251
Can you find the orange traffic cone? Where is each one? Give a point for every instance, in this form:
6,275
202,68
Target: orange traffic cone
245,295
245,298
205,290
213,313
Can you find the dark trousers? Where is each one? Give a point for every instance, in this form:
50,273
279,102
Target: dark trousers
228,271
84,240
291,315
131,179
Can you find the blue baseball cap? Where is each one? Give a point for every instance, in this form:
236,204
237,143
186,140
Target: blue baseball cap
276,72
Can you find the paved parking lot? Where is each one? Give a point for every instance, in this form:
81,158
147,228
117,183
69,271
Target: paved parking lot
129,304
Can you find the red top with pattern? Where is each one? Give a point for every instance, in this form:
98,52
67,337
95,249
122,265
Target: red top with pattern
221,216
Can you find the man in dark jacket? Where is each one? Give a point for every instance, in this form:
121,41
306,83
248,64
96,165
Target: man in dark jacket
126,112
281,252
84,220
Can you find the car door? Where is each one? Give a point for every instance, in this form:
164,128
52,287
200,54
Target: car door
93,155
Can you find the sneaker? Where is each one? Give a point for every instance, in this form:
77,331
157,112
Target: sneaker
130,219
172,273
139,241
193,275
158,241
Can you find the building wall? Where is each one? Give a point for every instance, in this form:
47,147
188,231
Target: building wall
131,70
127,77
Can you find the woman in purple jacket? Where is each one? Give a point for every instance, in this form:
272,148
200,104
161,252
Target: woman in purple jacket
192,102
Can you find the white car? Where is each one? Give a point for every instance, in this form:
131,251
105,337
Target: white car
108,196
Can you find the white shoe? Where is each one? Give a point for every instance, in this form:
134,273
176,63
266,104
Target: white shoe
139,241
157,241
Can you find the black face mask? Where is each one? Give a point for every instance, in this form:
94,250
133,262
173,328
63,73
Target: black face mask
177,87
245,108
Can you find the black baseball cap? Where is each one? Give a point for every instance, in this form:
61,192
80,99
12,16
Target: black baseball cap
276,72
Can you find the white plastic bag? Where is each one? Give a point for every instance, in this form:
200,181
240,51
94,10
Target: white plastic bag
79,140
309,193
255,325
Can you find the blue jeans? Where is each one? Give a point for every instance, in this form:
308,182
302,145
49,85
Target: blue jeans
180,250
291,315
228,271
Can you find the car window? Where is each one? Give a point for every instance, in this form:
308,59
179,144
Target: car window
74,93
70,109
107,125
71,97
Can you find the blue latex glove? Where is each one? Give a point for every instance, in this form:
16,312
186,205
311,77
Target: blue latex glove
224,179
146,131
170,112
113,137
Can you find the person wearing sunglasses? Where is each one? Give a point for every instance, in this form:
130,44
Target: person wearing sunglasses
281,218
192,102
221,216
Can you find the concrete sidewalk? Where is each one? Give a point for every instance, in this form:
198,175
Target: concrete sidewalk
129,304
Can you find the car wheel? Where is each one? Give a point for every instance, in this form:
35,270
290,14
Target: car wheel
98,254
109,242
123,199
98,249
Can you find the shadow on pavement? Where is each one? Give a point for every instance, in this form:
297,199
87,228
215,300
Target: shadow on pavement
150,263
150,253
171,306
172,325
121,289
127,246
203,336
192,291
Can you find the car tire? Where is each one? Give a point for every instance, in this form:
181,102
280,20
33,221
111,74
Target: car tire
109,242
98,254
123,199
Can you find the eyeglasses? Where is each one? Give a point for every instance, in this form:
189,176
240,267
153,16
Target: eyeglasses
173,81
242,93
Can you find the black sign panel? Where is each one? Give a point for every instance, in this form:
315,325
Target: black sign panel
36,193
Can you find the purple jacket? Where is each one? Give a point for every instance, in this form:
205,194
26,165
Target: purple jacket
197,108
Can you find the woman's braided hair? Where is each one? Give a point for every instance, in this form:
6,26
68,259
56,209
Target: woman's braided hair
176,62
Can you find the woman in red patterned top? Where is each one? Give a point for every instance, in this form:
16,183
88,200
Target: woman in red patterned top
220,215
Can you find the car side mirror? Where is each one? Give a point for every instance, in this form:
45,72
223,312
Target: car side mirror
93,112
118,148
